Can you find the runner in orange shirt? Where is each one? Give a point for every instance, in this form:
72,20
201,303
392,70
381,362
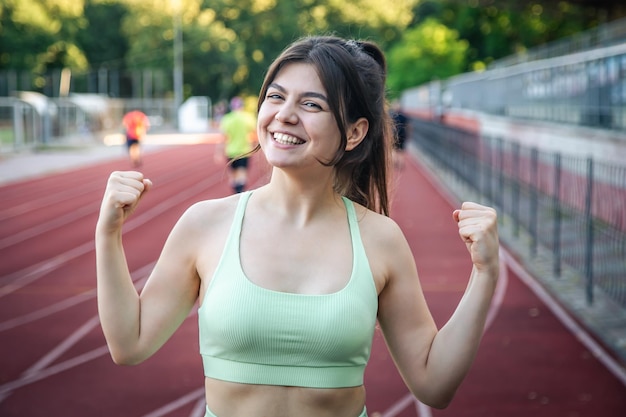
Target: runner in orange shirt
136,125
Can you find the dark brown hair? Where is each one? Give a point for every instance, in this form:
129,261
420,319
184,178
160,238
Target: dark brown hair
353,74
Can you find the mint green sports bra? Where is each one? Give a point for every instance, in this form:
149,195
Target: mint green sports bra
252,335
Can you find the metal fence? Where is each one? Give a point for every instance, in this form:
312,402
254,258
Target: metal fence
585,89
36,120
607,34
147,83
571,207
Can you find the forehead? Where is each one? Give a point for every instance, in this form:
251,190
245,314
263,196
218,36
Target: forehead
299,77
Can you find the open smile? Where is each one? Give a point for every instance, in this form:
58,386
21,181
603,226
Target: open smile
285,139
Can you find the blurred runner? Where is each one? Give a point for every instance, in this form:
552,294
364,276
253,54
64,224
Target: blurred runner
402,126
238,128
136,124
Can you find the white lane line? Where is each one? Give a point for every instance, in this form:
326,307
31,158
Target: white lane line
19,279
199,409
422,409
68,218
496,302
38,371
74,338
8,387
47,200
176,404
399,406
65,193
55,223
579,332
46,311
63,304
62,347
71,340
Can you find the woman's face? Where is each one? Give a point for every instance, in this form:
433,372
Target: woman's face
295,125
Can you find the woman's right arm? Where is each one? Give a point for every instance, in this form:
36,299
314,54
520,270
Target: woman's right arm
136,325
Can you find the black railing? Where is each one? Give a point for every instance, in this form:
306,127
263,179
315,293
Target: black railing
573,208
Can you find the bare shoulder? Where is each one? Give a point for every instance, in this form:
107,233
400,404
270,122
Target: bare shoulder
385,245
201,231
376,228
210,212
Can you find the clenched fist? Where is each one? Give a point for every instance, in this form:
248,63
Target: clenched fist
123,192
478,227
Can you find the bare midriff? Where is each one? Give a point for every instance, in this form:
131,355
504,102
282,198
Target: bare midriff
230,399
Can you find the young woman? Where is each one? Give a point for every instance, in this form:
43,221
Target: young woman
292,277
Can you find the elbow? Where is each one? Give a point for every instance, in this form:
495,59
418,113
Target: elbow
439,403
123,361
123,358
437,400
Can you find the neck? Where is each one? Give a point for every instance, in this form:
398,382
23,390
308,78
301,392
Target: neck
299,200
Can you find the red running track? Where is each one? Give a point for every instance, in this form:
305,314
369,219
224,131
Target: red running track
54,360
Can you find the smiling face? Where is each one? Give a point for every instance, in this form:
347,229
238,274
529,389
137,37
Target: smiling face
295,124
322,104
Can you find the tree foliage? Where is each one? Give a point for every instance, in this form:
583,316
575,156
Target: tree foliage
40,34
428,51
228,44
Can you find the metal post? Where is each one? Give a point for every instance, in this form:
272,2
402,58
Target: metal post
534,181
18,124
103,76
500,192
589,237
557,214
47,123
115,83
516,187
178,61
488,192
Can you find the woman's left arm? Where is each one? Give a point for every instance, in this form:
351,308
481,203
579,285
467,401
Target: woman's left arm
434,362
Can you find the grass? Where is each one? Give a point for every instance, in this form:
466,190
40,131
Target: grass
6,136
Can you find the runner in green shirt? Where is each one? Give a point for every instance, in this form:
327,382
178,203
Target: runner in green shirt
237,127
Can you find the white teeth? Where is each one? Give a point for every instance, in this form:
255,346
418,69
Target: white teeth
286,139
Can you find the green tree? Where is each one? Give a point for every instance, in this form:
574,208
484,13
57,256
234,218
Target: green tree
428,51
101,37
265,27
262,29
39,35
228,44
212,57
499,28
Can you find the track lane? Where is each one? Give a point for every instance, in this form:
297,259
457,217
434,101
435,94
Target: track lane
530,363
78,377
144,229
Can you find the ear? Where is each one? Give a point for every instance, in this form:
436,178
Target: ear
356,133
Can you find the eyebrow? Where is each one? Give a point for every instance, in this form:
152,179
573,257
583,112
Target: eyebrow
305,94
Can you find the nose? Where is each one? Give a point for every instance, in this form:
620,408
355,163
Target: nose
286,114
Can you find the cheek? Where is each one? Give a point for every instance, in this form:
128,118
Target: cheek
265,116
328,131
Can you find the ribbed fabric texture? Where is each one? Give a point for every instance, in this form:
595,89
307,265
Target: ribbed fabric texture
249,334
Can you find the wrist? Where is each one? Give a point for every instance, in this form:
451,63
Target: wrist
107,233
490,269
